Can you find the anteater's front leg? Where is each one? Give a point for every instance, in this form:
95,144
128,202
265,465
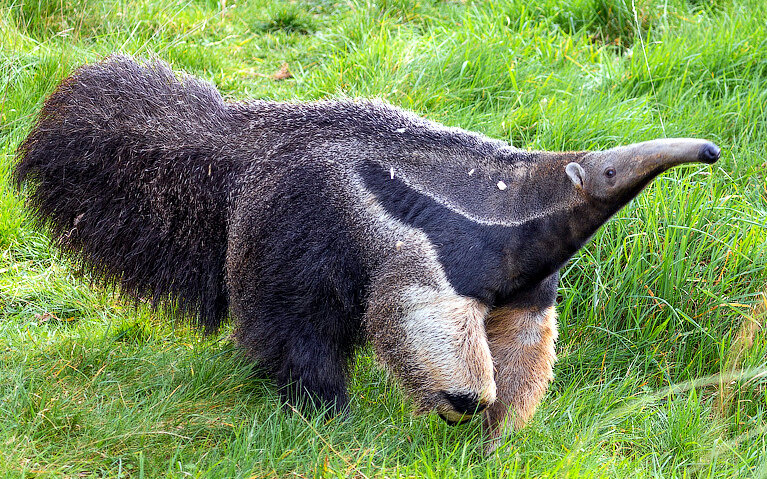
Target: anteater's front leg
432,339
522,344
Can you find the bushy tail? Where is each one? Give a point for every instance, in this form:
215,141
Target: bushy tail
130,168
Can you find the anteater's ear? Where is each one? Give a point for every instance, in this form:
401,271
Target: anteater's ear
576,173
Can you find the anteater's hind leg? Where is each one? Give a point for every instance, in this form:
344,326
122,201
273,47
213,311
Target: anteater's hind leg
308,365
313,373
303,333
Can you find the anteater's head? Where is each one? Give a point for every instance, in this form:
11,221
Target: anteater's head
617,175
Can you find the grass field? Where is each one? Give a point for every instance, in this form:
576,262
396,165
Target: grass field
662,346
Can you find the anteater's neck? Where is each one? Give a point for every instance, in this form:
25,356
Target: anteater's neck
539,248
491,260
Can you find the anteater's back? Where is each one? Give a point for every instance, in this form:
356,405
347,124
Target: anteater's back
130,168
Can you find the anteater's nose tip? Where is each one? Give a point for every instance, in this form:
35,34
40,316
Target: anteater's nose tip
709,153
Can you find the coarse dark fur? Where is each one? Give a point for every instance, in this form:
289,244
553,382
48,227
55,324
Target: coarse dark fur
122,162
322,225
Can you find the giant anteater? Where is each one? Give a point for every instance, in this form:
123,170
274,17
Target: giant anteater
319,226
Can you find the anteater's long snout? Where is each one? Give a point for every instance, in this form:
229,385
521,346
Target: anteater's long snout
656,156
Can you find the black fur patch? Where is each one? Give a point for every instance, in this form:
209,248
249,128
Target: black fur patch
464,403
486,262
537,296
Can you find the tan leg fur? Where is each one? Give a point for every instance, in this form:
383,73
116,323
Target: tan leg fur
522,345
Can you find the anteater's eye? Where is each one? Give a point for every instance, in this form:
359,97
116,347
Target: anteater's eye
610,172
